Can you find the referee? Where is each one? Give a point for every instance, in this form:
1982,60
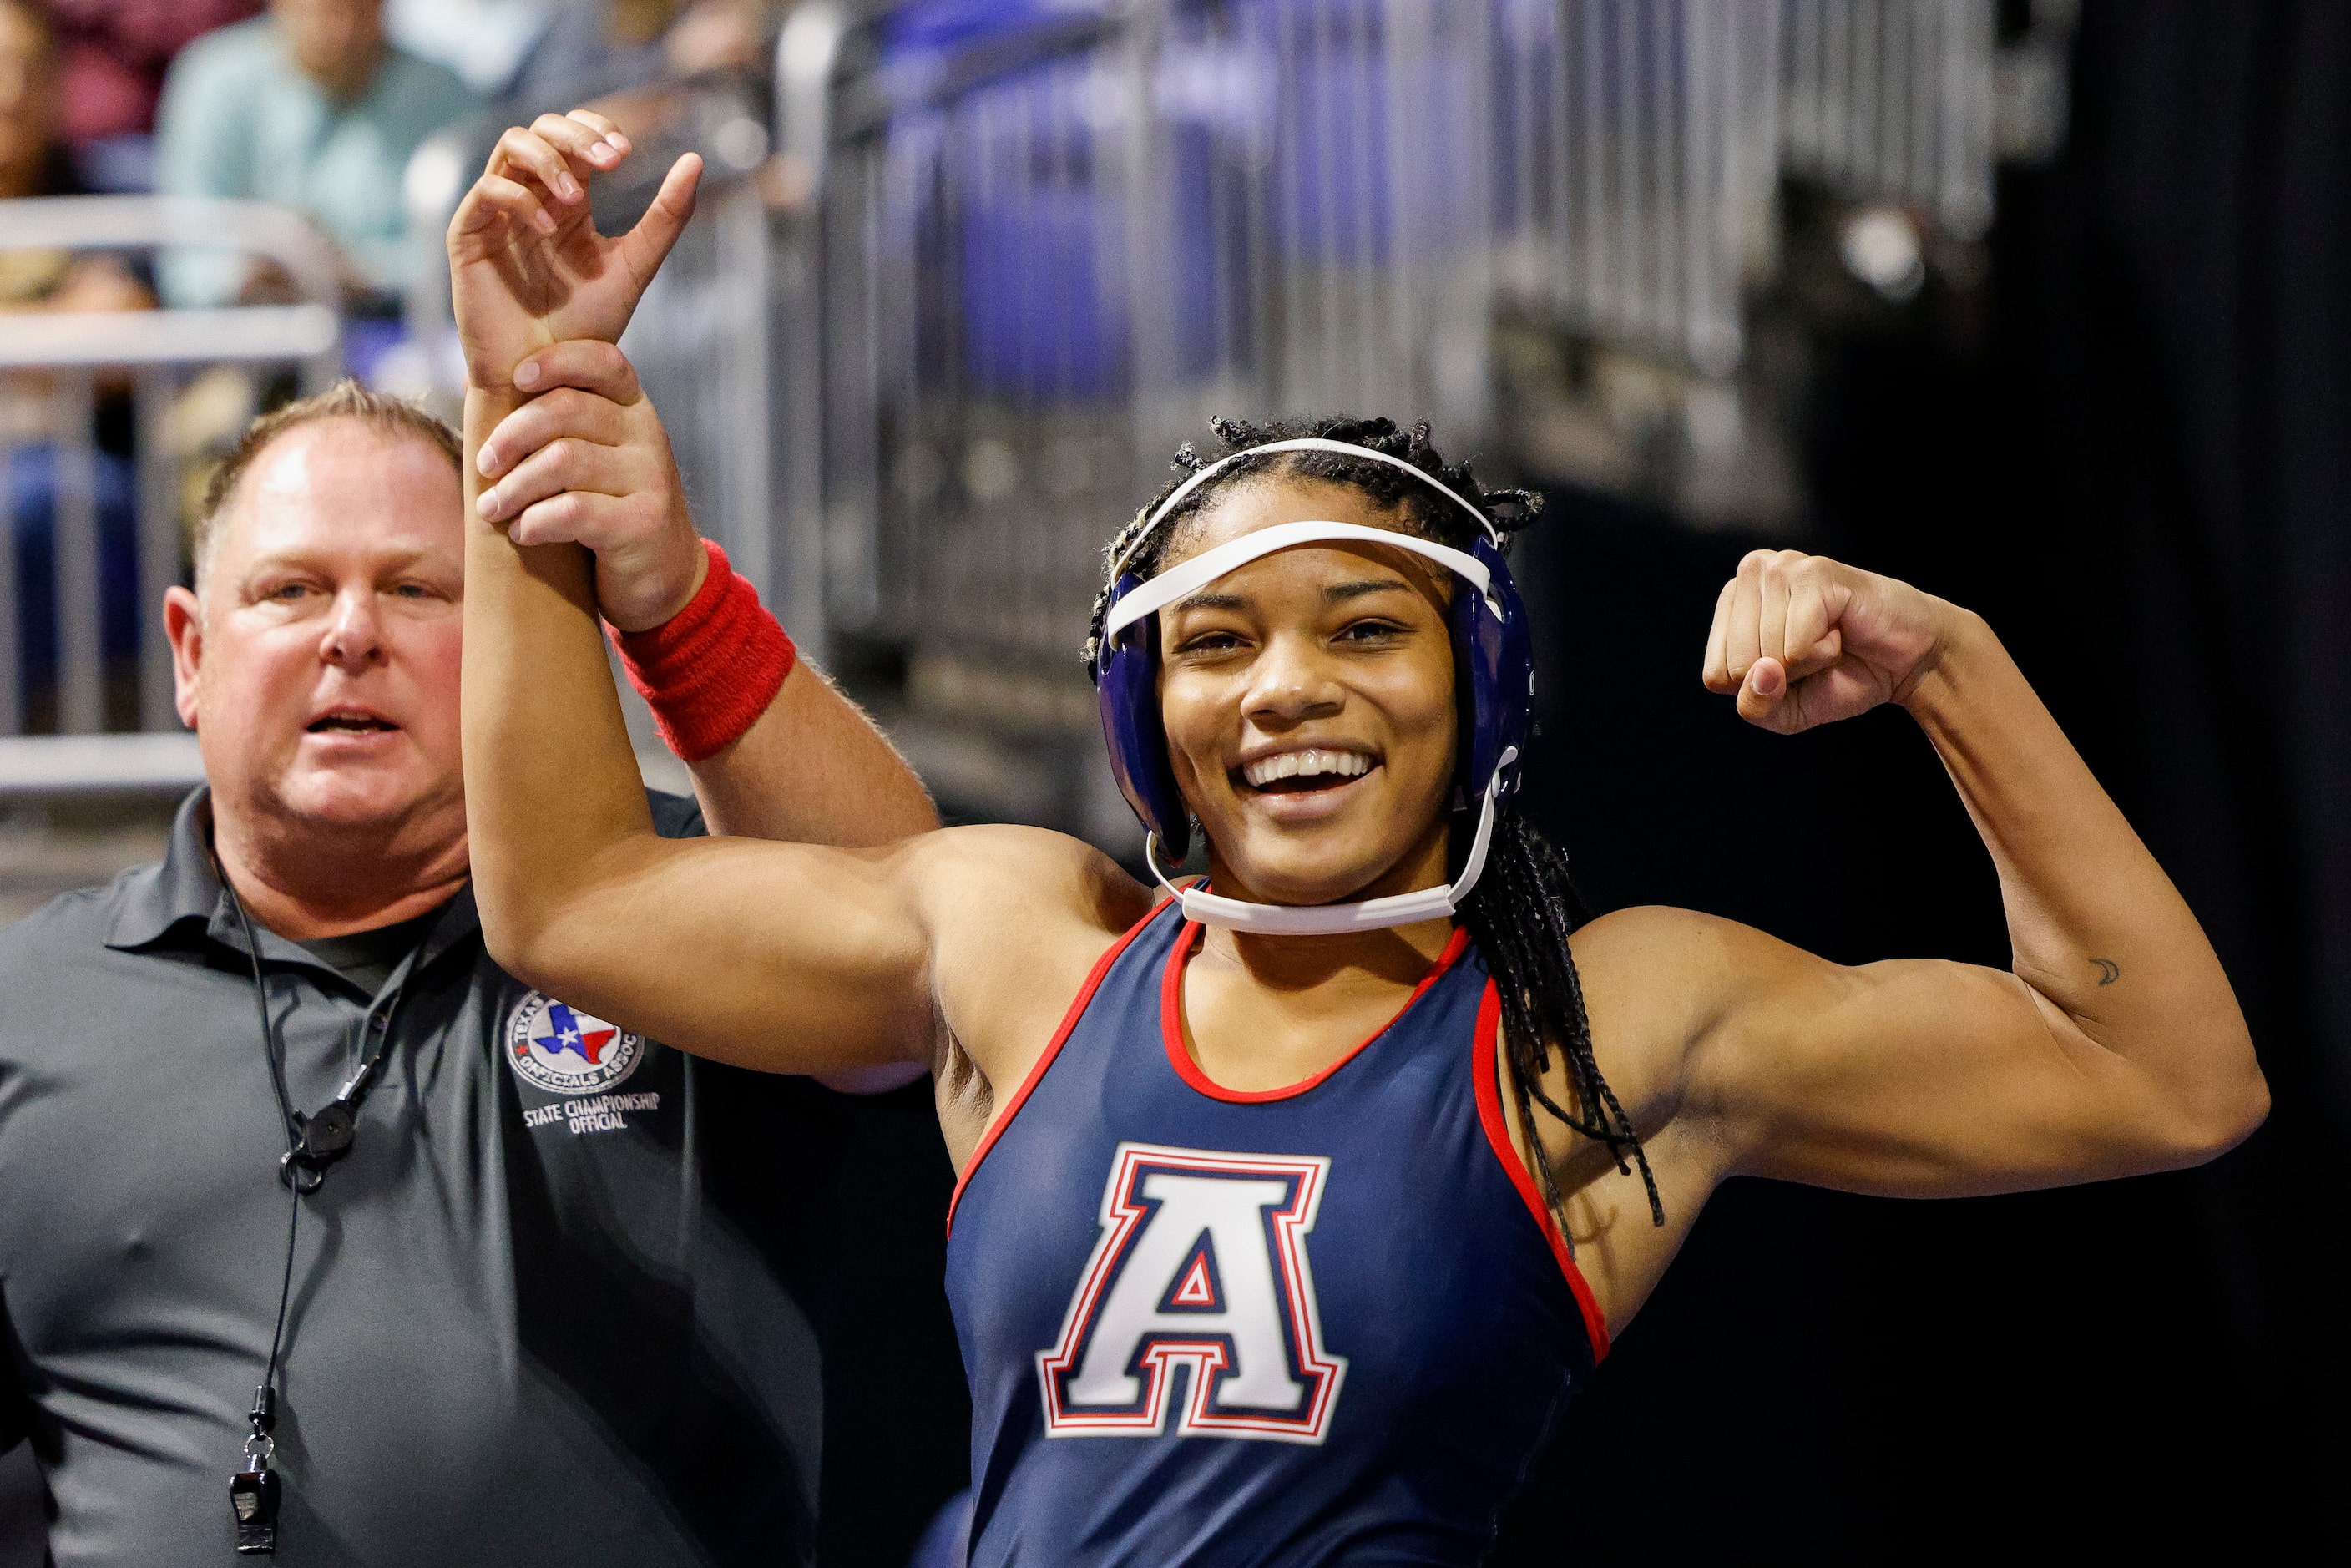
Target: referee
319,1233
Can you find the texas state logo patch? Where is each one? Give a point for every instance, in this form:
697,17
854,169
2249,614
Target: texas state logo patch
553,1046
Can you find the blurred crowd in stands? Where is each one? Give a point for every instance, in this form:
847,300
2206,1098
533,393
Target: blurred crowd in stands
317,106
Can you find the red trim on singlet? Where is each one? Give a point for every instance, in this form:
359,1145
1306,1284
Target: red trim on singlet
1171,1022
1045,1058
1485,1071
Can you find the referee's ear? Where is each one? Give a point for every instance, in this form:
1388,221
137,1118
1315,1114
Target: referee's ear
184,624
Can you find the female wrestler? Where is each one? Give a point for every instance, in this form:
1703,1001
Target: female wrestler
1292,1206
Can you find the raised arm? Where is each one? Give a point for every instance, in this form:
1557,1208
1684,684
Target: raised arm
586,461
812,767
2114,1044
784,956
541,297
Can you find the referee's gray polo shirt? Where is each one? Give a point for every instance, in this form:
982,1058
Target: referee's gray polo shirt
543,1313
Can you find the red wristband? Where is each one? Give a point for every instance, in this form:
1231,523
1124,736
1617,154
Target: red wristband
711,670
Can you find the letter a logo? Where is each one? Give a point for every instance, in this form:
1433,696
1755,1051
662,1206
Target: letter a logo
1201,1268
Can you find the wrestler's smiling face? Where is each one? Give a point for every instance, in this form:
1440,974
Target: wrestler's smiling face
1307,697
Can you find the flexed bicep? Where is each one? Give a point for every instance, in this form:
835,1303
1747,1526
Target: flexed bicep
2113,1045
1925,1078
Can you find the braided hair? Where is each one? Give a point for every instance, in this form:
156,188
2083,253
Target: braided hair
1523,907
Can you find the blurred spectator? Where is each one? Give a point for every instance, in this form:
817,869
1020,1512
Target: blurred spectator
33,163
111,58
32,475
592,49
311,108
484,41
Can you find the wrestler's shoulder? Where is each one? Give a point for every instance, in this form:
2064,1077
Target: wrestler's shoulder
1016,921
1659,978
1051,878
1658,942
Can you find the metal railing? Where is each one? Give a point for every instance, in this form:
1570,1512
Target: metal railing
1042,245
704,338
708,339
54,369
702,344
1891,100
917,366
1642,145
1635,164
1037,255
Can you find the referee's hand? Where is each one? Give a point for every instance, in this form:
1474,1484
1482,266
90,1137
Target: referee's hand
527,269
586,461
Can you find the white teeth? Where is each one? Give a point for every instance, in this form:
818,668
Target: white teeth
1293,763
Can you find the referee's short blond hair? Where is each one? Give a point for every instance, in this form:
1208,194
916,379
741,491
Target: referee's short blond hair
346,399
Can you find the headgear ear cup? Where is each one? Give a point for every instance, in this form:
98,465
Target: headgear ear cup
1498,655
1126,685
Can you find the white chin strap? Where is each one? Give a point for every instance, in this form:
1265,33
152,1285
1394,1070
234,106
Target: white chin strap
1207,908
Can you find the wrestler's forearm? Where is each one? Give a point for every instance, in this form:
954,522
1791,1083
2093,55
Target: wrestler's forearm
2095,926
550,784
812,770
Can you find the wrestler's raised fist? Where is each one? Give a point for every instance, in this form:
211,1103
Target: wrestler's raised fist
526,263
1805,640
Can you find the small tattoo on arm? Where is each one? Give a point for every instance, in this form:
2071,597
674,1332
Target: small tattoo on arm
2108,971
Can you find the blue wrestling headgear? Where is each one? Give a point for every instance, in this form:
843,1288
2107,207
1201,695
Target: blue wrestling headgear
1491,651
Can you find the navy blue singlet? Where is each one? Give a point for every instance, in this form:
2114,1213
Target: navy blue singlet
1323,1324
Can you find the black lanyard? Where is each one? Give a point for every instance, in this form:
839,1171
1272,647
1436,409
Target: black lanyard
313,1143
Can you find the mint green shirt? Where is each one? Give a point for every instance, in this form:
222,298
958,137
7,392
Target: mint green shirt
239,119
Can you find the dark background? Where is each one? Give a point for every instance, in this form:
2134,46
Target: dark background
2133,459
